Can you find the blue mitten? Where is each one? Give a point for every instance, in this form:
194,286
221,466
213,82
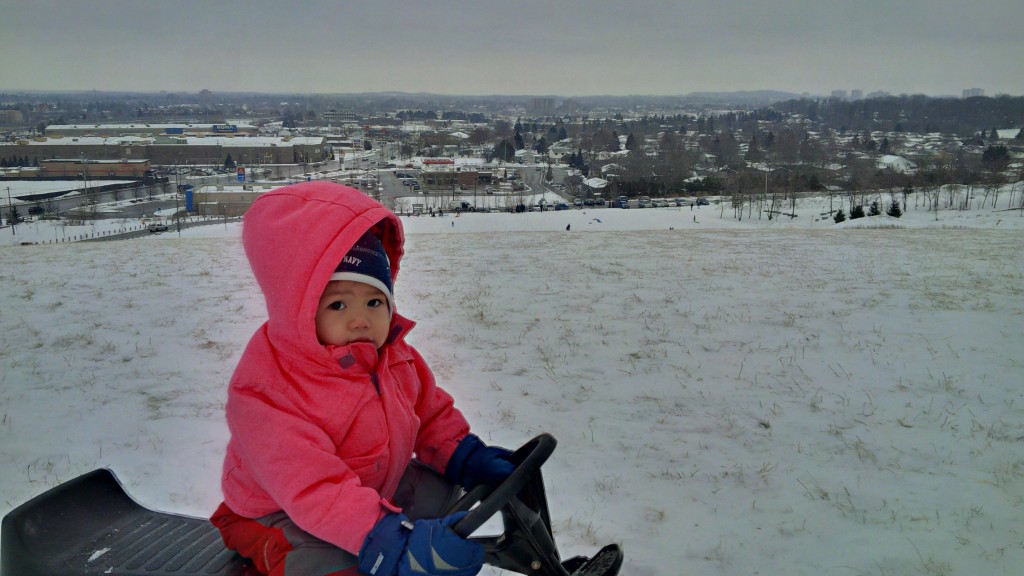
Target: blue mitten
384,546
435,549
474,462
397,547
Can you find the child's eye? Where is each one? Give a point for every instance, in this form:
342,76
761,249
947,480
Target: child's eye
375,303
336,305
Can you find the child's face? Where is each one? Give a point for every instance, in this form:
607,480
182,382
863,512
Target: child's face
352,312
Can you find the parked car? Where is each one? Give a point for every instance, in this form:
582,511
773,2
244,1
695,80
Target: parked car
157,227
702,202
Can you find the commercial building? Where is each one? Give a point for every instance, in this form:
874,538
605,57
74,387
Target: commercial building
150,129
75,168
228,200
169,150
11,118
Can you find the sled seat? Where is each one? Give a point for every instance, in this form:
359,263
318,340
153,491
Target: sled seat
90,526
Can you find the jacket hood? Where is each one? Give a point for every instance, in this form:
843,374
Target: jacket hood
294,238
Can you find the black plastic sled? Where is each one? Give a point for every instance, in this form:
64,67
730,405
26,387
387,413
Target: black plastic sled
89,526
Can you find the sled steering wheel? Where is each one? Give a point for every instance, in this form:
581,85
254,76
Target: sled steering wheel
492,498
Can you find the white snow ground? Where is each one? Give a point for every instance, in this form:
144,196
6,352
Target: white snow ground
788,397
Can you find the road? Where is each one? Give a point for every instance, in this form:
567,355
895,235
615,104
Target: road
145,200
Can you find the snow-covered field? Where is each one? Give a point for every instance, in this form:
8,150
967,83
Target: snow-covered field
759,397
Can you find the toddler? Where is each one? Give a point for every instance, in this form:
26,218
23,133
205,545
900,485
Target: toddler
343,449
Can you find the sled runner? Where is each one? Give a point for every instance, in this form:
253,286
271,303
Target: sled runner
90,526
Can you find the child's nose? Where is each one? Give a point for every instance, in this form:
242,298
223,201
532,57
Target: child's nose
360,321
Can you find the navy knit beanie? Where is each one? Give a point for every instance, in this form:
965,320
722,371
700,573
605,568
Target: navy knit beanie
367,262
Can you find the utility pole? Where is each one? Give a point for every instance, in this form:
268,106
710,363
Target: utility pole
177,218
10,212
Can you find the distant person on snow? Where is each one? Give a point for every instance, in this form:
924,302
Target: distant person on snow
343,449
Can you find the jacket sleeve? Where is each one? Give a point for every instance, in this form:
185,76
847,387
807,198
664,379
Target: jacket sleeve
293,463
442,426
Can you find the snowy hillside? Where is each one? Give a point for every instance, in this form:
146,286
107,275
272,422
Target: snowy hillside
759,397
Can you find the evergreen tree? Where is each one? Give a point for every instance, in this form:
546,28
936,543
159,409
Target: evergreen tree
814,183
541,145
753,149
631,143
840,216
579,163
885,147
13,216
229,163
505,151
995,154
873,209
894,210
856,212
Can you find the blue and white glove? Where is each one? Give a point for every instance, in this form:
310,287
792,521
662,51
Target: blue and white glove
474,462
398,547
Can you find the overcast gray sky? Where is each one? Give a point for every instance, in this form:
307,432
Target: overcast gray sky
562,48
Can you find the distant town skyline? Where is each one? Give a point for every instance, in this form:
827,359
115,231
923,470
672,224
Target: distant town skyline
509,47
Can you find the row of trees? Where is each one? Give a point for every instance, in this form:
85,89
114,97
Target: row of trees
665,152
964,117
856,212
18,162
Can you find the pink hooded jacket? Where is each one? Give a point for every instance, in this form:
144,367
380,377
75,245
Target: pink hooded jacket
324,433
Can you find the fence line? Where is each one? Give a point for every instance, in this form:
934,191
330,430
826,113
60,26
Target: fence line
130,232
